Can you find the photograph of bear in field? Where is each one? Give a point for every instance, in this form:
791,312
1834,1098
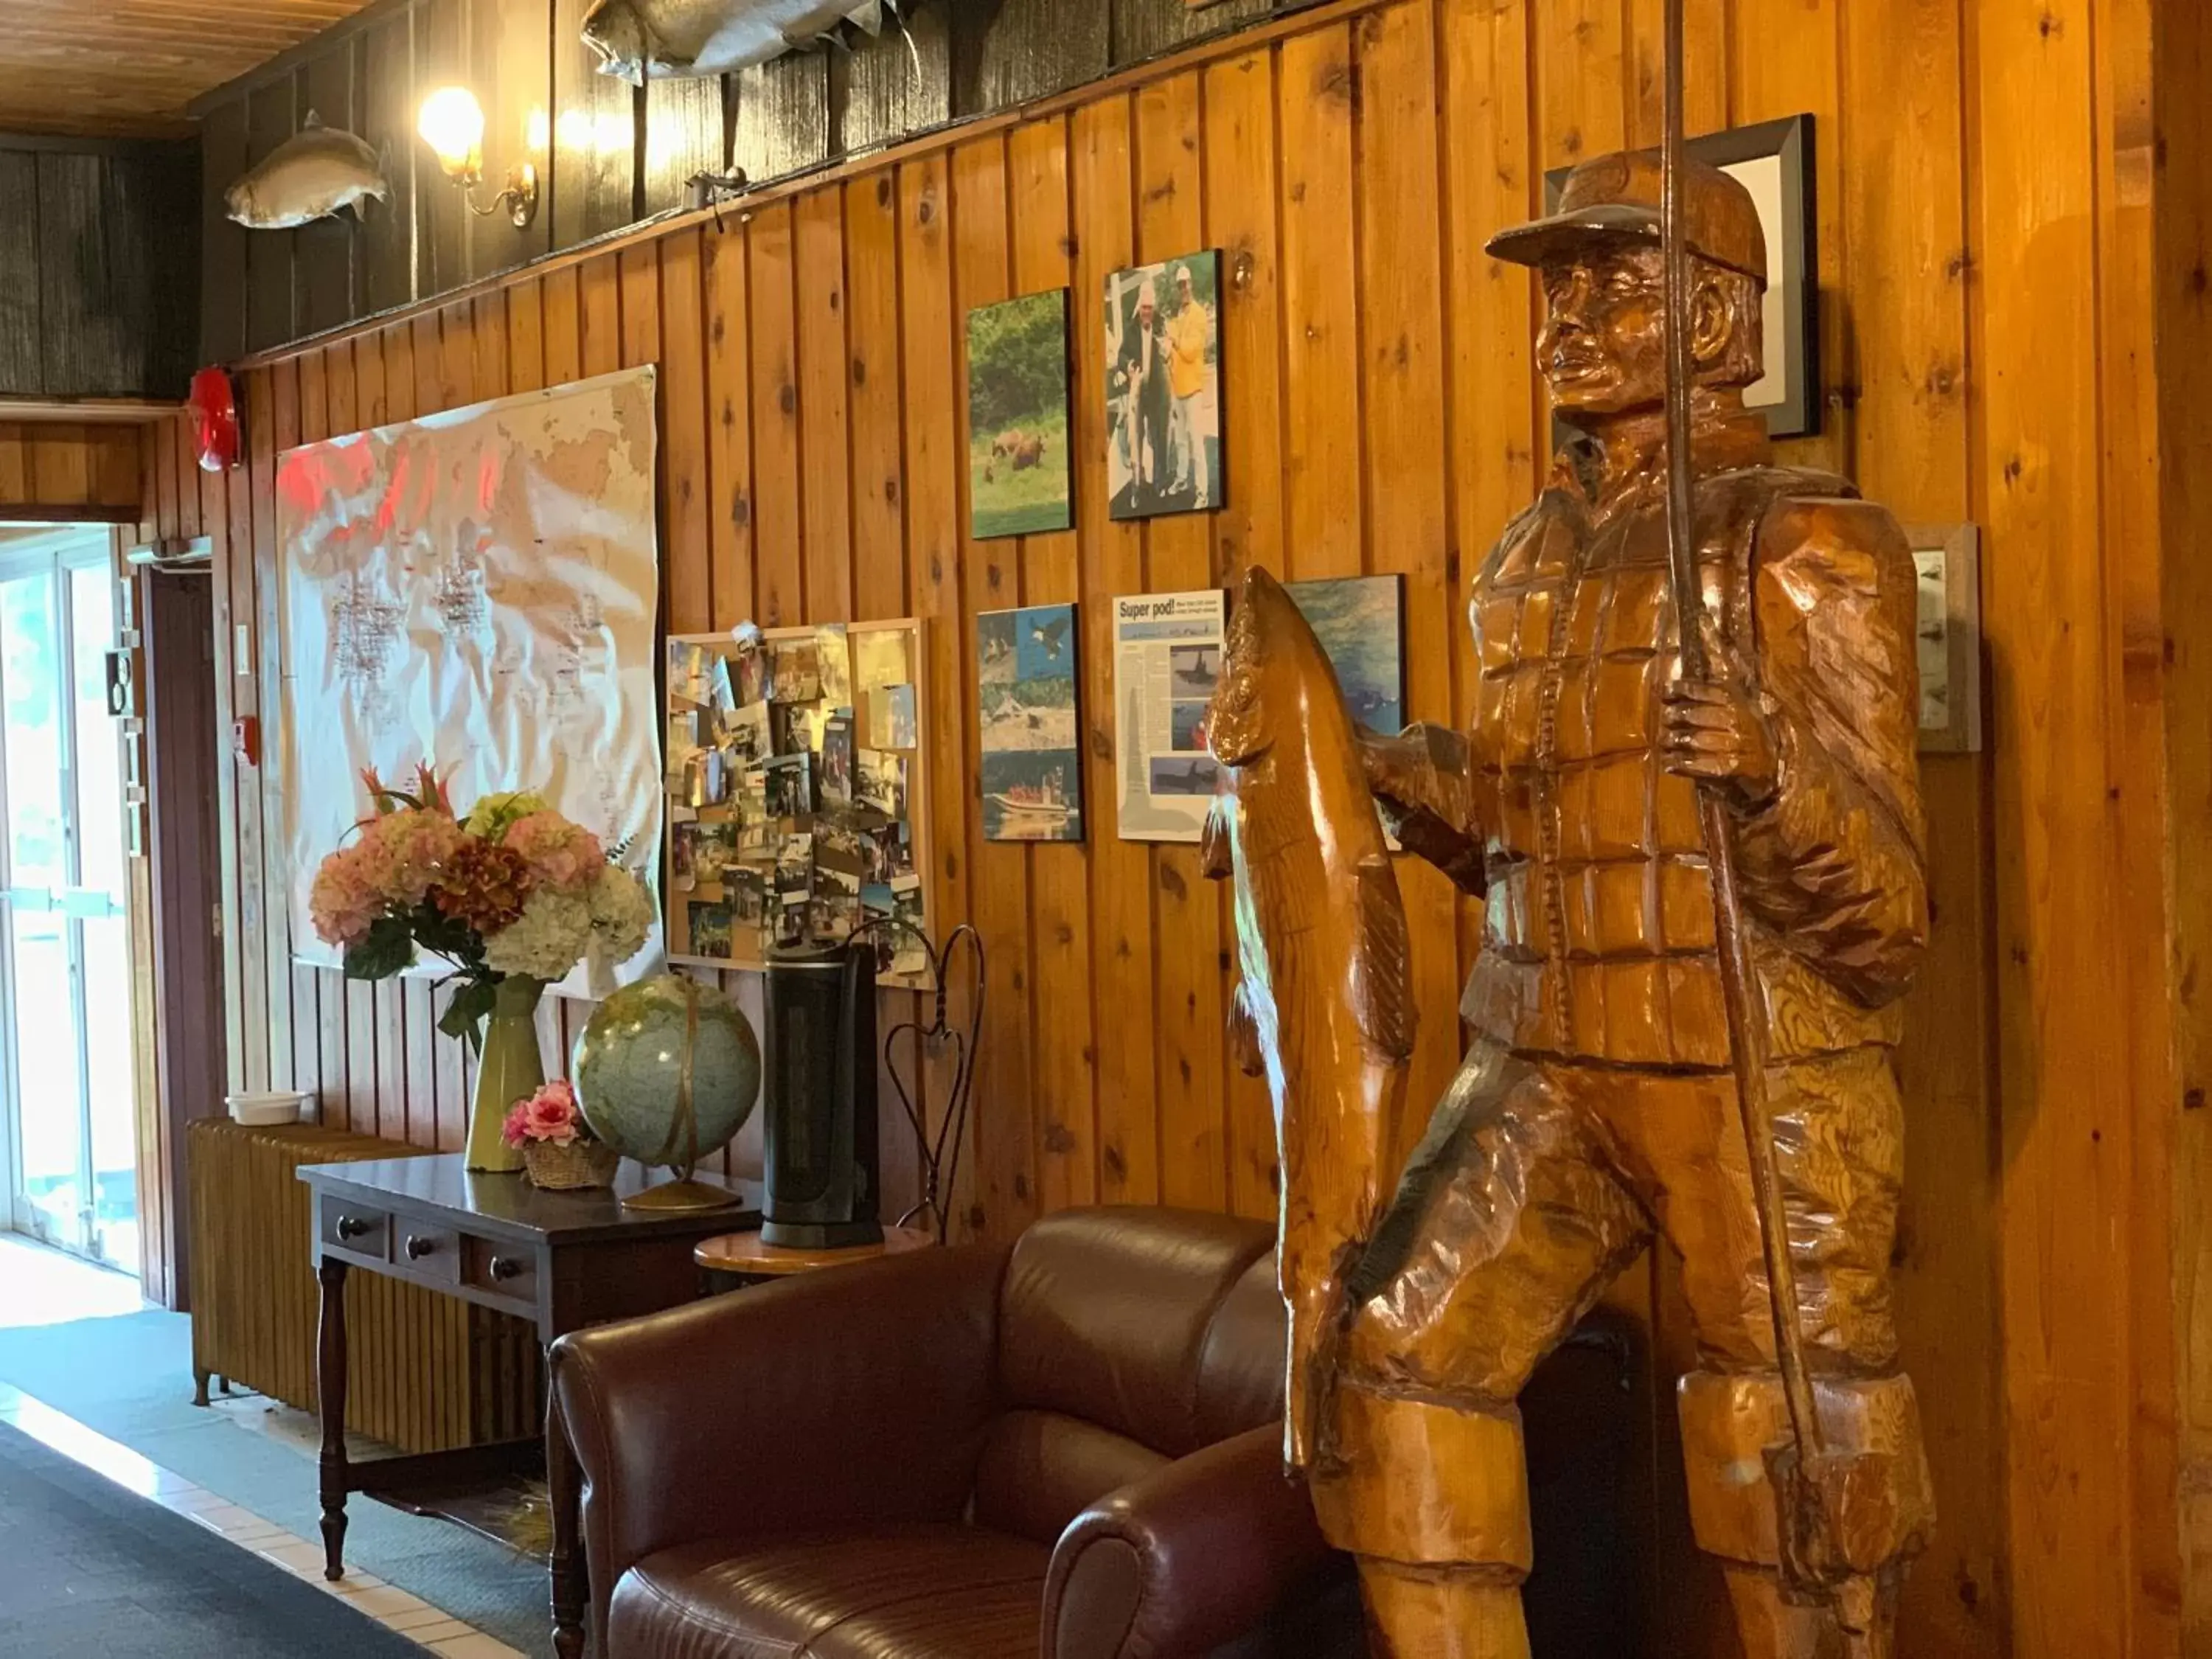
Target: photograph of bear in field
1019,479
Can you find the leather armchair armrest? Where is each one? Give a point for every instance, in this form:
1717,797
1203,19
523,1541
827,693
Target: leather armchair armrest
1190,1557
859,1392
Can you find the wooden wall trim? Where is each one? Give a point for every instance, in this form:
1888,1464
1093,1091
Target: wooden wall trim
70,472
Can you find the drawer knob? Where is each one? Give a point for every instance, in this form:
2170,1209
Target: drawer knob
352,1226
419,1248
506,1266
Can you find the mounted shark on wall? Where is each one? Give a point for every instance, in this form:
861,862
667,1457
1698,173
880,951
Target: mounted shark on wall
676,39
316,173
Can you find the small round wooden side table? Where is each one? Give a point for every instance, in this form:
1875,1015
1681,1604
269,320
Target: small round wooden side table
735,1259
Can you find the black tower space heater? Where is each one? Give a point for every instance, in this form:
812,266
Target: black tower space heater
822,1175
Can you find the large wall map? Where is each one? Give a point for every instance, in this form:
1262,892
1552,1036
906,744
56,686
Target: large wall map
479,588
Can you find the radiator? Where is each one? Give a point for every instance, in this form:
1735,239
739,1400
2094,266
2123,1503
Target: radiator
427,1372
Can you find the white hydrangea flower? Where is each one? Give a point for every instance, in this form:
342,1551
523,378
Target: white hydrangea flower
622,913
546,941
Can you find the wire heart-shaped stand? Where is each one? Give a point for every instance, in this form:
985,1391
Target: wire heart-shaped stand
939,1152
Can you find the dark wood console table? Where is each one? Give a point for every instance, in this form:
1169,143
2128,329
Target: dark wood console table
563,1261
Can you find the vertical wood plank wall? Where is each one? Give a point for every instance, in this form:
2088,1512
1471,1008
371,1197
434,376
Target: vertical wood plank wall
64,470
1984,257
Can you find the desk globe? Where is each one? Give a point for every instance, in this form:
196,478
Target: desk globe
666,1073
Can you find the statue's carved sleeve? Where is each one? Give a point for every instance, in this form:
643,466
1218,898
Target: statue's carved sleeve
1421,778
1834,862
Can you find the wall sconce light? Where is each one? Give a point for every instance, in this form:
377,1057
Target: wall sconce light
452,123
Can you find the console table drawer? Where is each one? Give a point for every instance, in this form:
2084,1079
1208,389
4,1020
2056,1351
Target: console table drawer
505,1271
429,1253
357,1228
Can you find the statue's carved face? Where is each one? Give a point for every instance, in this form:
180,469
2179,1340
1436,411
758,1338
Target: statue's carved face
1603,343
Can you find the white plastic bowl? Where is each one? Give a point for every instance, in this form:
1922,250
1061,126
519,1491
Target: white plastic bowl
266,1110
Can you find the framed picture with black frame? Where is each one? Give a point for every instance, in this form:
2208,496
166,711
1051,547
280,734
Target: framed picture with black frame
1774,161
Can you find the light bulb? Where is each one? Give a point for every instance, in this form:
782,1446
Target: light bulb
452,123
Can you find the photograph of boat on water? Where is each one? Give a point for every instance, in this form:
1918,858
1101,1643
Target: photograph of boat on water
1026,672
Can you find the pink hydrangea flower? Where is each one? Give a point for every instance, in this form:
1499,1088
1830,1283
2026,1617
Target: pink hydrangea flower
406,851
563,855
346,899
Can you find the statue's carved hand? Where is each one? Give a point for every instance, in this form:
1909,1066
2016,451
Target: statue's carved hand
1719,732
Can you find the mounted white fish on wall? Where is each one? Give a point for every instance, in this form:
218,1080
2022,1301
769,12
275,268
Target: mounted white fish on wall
676,40
316,173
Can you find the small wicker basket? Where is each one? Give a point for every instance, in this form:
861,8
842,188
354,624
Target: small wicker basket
579,1165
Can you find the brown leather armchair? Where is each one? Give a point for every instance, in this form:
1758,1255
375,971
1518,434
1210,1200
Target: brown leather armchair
1071,1449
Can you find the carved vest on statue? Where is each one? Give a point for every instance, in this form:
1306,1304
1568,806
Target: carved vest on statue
1598,933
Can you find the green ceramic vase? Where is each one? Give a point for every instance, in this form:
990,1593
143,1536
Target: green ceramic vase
513,1069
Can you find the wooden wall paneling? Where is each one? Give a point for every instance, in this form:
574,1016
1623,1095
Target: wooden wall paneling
729,433
2183,204
154,232
898,84
1706,58
683,129
1102,191
876,405
1188,1021
934,459
1063,1014
1241,207
79,322
998,895
113,451
1580,59
442,230
511,69
490,376
780,115
327,266
15,466
2132,340
525,308
778,512
1145,28
222,244
599,291
1905,217
59,461
2062,1072
271,316
564,326
824,357
23,336
594,137
167,491
687,539
1008,51
388,105
1403,355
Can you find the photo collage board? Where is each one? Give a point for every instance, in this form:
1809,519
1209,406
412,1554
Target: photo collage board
795,793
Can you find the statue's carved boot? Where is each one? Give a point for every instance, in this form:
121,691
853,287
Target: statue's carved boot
1442,1613
1433,1500
1874,1490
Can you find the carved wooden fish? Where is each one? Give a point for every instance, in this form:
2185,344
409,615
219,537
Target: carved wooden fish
314,173
675,40
1325,1008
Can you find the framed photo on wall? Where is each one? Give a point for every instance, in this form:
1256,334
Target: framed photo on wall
1163,346
1020,469
1774,161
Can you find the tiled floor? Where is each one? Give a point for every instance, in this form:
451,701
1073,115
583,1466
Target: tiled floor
34,1277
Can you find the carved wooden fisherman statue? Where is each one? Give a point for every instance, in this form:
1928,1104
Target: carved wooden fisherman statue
1596,1106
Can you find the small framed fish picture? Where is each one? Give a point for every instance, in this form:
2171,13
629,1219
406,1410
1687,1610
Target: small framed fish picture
1026,678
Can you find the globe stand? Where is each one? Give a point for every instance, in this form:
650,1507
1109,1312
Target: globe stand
683,1197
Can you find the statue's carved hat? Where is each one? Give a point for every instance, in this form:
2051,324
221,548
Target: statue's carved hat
1612,199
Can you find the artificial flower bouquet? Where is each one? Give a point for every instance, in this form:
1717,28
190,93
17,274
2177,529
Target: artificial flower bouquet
514,892
557,1147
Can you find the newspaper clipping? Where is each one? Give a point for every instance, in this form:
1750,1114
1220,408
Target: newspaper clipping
1167,661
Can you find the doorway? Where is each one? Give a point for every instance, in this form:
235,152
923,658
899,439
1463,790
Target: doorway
70,1149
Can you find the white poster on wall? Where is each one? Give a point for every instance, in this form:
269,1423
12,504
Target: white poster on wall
1167,661
478,589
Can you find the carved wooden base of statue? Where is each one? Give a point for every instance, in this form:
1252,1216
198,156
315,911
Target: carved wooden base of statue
1702,873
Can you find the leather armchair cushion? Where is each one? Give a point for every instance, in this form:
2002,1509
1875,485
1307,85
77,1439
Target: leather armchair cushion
1039,1470
1105,1316
909,1592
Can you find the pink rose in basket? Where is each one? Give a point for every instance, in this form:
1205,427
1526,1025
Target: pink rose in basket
550,1115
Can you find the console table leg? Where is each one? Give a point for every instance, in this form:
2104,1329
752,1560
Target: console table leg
330,1393
571,1572
199,1386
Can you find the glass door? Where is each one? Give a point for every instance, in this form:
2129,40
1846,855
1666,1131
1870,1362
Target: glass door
65,969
